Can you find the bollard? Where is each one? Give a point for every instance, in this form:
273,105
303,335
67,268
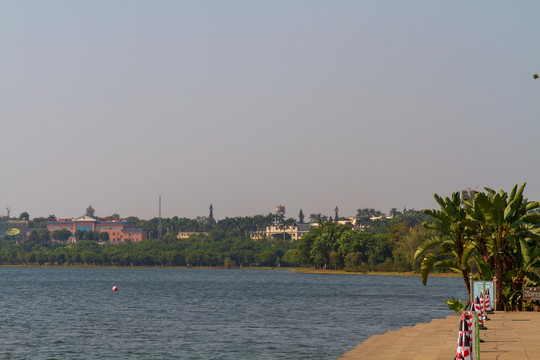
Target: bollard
487,301
478,310
464,343
463,350
483,307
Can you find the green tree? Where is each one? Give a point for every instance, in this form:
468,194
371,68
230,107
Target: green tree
24,216
44,236
104,236
266,258
292,257
60,255
229,263
61,235
318,218
353,260
364,216
33,237
394,212
405,248
323,240
336,260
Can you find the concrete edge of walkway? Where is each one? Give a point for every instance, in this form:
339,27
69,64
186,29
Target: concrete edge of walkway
510,336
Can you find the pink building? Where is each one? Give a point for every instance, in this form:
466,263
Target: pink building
118,230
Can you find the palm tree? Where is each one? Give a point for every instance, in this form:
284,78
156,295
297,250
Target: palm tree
318,218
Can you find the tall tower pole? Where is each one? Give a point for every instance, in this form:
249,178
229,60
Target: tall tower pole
159,220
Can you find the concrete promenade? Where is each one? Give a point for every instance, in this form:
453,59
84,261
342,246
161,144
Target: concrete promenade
510,336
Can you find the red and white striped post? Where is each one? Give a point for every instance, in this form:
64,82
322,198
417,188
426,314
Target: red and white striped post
463,350
478,310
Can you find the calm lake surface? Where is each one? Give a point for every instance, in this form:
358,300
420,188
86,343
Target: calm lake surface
205,314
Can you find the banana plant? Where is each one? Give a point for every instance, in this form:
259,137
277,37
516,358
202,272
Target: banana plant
497,230
450,248
502,222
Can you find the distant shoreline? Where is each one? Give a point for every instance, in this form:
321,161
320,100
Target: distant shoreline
291,269
343,272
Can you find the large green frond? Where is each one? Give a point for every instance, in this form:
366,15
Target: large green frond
531,255
498,209
456,199
532,205
525,252
476,212
439,200
469,203
426,266
507,278
447,264
467,252
438,215
429,243
519,193
511,209
531,218
533,278
450,208
484,205
512,194
486,270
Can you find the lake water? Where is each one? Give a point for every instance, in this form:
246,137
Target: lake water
205,314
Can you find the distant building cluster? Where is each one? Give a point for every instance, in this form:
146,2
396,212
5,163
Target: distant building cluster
119,230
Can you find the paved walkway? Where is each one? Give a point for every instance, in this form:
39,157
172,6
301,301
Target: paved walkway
510,336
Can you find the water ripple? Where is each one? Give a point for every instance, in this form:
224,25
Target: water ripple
205,314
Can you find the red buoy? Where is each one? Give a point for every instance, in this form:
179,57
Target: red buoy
115,288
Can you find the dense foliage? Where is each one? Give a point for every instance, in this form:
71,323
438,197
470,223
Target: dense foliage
490,233
384,244
217,249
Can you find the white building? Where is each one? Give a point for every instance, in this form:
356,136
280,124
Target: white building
277,231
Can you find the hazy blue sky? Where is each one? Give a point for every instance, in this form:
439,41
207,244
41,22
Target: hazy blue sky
250,104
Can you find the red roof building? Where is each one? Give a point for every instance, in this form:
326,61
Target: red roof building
119,230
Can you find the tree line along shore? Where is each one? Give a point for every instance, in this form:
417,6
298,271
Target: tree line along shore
385,244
